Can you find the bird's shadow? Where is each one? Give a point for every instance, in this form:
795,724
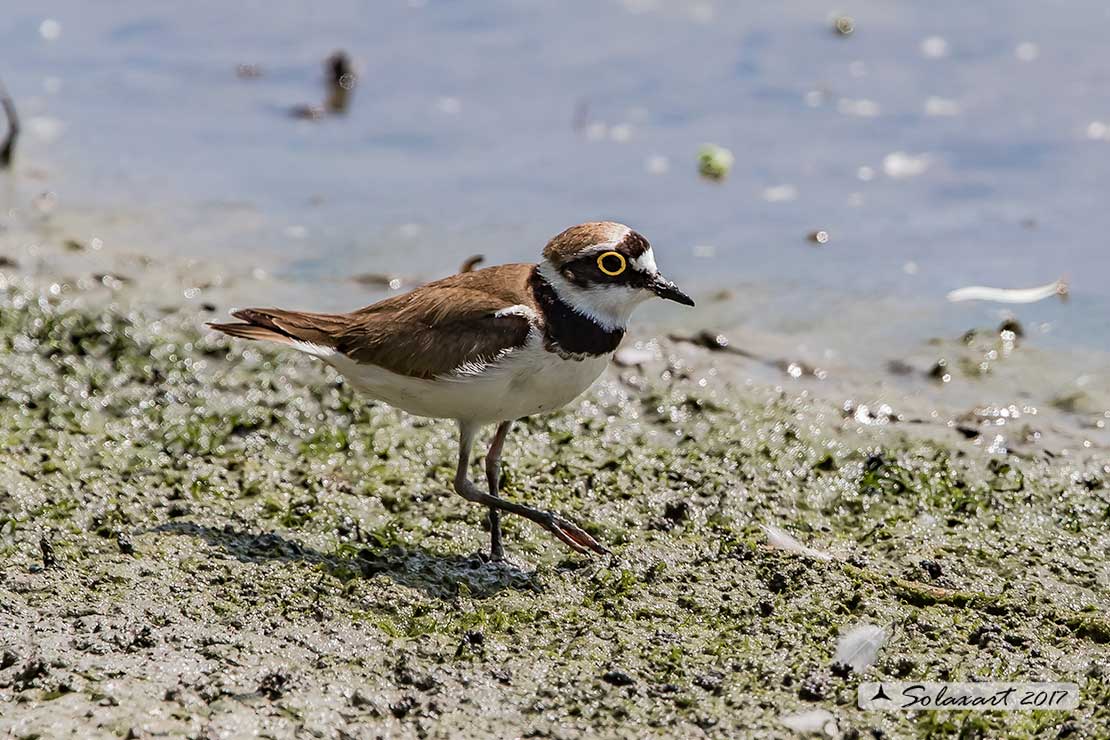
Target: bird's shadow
437,574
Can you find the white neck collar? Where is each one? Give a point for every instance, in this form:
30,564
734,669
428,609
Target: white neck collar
610,307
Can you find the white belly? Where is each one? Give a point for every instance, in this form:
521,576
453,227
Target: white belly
528,381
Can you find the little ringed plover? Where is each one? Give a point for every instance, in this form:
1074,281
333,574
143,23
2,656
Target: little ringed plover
488,346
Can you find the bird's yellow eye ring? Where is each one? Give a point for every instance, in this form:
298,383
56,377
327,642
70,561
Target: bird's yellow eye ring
616,263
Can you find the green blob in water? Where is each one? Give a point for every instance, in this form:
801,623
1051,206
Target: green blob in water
715,162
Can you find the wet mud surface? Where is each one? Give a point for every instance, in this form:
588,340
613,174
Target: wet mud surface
202,538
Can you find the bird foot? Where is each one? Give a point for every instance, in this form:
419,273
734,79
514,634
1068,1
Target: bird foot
570,534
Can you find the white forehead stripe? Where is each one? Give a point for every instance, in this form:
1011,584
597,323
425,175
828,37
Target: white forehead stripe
605,246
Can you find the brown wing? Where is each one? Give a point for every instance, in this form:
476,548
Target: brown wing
434,330
444,325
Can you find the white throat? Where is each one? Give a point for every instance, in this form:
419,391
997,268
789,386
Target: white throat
608,306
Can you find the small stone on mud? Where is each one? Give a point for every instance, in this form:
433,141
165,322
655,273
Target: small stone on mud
618,678
473,641
903,666
932,568
28,675
983,635
273,685
401,708
711,681
422,681
677,511
815,687
178,510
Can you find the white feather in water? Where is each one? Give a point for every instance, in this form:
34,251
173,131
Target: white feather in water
813,722
780,539
859,647
1008,295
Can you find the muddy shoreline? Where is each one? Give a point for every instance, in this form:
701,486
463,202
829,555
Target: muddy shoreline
206,539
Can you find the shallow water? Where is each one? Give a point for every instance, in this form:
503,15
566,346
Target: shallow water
487,127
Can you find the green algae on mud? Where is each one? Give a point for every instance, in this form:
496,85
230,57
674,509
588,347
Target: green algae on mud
241,545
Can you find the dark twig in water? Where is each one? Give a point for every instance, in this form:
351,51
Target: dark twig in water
8,148
716,342
472,262
341,81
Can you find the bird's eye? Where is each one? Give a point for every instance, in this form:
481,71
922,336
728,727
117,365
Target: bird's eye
611,263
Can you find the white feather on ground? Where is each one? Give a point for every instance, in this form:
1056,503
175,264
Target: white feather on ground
780,539
1010,295
813,722
859,647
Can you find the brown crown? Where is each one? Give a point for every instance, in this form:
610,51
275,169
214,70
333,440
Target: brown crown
576,240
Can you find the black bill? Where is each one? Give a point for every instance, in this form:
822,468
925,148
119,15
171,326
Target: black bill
664,288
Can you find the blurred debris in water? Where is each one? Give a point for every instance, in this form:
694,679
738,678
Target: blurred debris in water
1013,326
715,162
307,112
900,165
940,371
717,342
899,367
7,149
844,25
712,341
934,47
341,81
248,71
383,280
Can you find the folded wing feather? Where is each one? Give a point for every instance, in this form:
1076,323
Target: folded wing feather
433,331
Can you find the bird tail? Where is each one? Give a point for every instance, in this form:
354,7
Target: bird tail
287,327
